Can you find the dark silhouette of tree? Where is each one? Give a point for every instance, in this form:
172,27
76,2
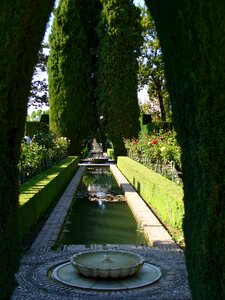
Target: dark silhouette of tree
192,36
22,27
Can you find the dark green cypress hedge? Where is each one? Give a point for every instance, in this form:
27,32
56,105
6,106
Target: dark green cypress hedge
22,26
120,38
192,35
71,71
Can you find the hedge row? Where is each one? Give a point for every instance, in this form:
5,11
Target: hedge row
163,196
39,193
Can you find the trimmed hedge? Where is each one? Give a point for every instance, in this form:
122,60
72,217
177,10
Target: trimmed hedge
165,197
149,128
32,128
39,193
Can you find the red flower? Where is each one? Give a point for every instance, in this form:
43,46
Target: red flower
154,142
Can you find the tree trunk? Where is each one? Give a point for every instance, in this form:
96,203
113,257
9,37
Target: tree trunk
22,26
192,36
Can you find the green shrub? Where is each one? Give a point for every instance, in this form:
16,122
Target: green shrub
158,151
32,127
164,197
39,193
44,150
150,127
110,153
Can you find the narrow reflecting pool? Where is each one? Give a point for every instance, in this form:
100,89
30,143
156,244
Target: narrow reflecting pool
99,213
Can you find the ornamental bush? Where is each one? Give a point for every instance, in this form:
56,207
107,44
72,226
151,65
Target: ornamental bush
158,150
45,150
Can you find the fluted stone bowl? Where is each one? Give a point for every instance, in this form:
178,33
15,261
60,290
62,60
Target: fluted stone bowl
107,263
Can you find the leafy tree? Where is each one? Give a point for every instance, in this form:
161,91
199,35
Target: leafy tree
120,39
151,67
71,70
35,115
192,37
39,87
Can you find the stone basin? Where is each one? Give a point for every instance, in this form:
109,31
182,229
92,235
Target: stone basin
98,160
107,263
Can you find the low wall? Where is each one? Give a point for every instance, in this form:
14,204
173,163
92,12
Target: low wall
39,193
163,196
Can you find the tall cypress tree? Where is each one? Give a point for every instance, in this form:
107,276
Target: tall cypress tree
22,26
71,71
120,38
192,35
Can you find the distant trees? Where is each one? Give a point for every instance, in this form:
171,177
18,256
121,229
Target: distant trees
71,70
39,87
151,68
36,115
120,39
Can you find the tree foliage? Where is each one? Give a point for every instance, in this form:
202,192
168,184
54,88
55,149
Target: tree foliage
35,116
22,26
71,70
120,39
151,67
192,36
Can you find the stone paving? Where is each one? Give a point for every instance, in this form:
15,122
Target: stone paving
34,276
34,280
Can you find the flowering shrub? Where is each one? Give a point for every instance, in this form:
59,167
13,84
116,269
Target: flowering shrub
44,150
159,151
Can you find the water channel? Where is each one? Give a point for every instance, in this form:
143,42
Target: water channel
99,214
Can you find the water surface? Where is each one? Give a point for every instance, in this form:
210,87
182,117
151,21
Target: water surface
98,216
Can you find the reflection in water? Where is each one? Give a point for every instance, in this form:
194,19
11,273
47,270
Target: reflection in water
99,214
101,204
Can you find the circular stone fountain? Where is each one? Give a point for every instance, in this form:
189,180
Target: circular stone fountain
106,270
107,264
